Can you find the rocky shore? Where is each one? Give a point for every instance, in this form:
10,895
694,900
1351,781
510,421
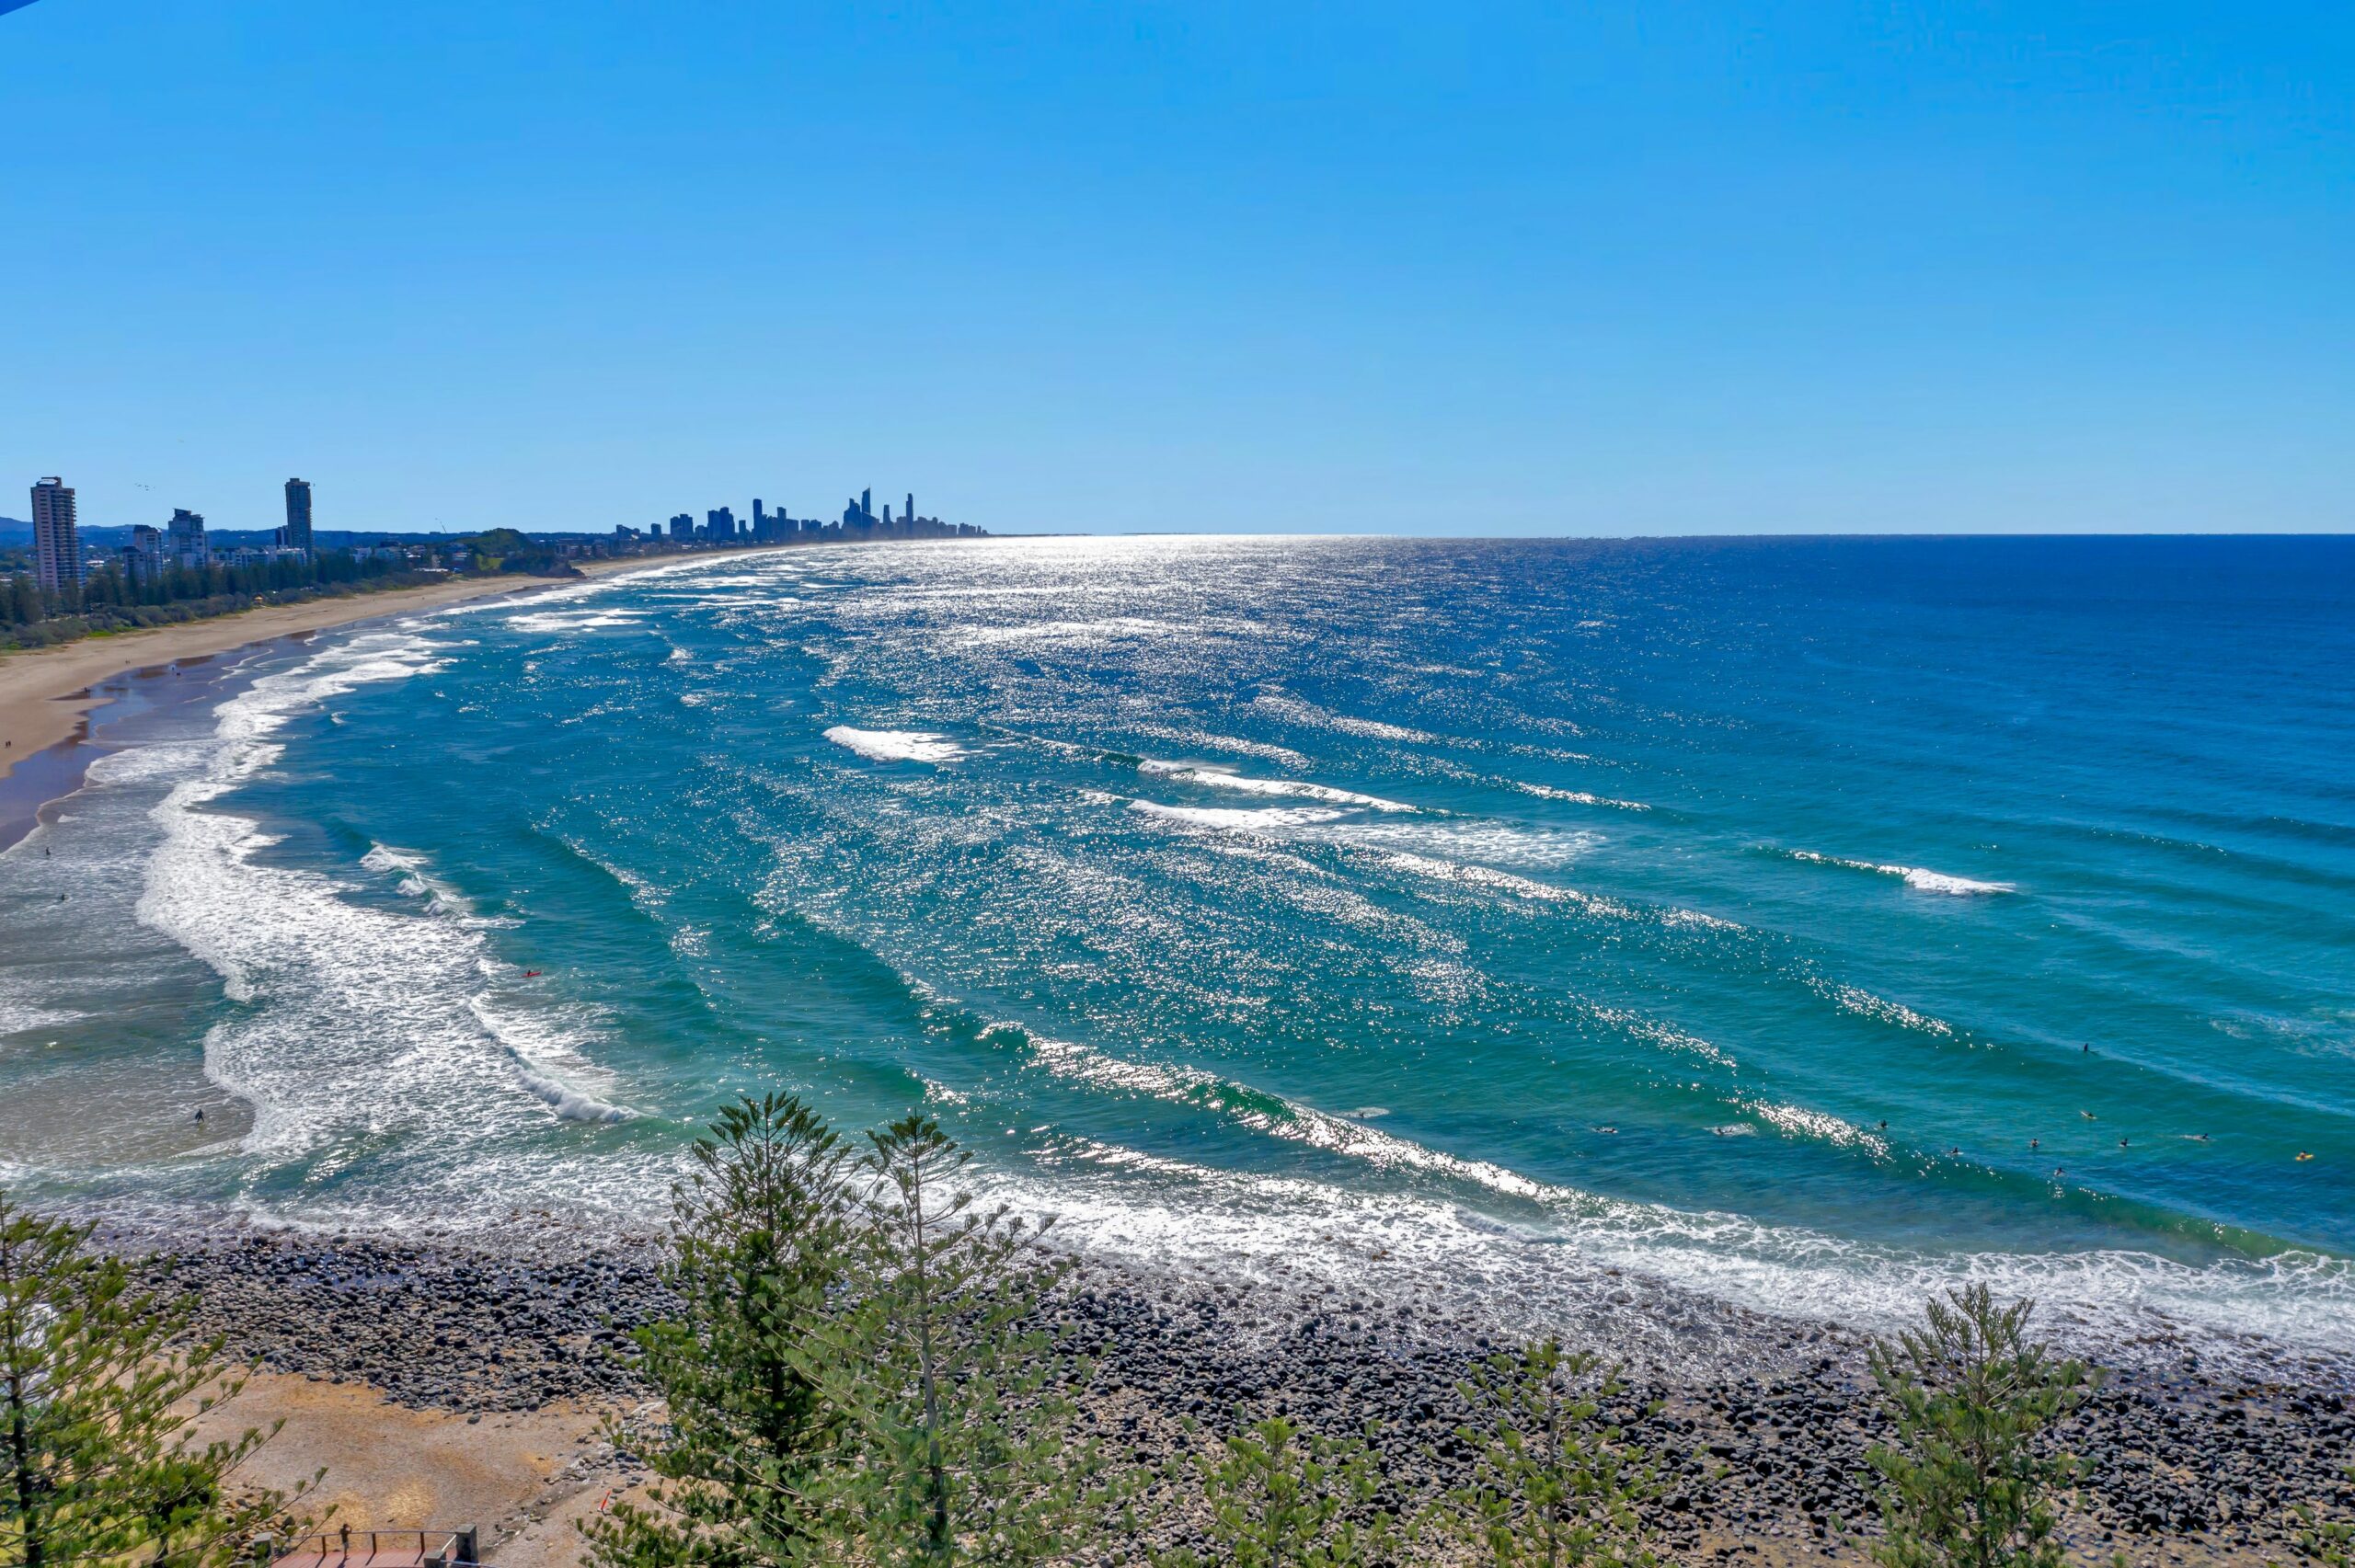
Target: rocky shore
2186,1465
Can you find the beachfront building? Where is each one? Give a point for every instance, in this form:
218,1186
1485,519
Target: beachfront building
186,539
143,558
297,535
57,537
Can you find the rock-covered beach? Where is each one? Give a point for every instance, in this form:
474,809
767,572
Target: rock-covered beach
1764,1450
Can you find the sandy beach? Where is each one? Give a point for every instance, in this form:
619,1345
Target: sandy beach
46,694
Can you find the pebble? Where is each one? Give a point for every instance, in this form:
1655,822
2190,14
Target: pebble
1781,1446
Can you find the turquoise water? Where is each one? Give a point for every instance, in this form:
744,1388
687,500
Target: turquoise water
1479,915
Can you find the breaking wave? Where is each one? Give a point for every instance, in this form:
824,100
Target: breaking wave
1918,878
897,744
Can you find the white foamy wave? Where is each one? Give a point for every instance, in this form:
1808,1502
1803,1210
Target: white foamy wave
1219,778
572,620
23,1017
1582,797
1916,877
1501,843
540,1053
1269,1114
1238,819
896,745
353,1025
1554,1258
411,876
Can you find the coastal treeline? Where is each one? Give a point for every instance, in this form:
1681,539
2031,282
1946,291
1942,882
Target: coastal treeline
113,600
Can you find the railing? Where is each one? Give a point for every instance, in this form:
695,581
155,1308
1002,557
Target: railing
427,1548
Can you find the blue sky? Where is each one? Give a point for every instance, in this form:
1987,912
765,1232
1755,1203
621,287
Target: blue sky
1438,269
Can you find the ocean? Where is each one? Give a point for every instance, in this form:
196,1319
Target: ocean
1806,924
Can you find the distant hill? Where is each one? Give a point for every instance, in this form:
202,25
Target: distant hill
13,531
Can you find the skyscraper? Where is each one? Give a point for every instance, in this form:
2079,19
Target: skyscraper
57,537
298,514
912,506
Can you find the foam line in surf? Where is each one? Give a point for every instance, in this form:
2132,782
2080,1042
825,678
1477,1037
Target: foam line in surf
1235,1222
1577,797
1221,778
897,744
1920,878
353,1020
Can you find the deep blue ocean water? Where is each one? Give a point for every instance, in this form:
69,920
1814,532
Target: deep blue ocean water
1805,923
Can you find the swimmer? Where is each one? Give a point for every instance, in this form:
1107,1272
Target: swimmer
2090,1115
2121,1143
2036,1143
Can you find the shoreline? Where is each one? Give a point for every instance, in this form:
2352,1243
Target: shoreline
52,699
1763,1461
46,695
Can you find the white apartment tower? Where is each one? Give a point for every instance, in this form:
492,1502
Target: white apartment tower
57,537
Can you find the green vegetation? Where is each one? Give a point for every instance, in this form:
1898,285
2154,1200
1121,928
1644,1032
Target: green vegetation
505,550
759,1237
2330,1542
959,1411
95,1460
110,602
1974,1480
855,1376
864,1372
1280,1497
1554,1481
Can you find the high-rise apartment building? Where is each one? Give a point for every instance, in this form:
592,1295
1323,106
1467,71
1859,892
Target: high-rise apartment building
144,557
57,537
185,534
298,515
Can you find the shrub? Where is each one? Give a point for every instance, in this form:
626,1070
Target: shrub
1280,1497
1973,1480
1552,1482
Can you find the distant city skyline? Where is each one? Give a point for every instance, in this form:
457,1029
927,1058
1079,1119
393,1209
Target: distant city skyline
1502,269
62,552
